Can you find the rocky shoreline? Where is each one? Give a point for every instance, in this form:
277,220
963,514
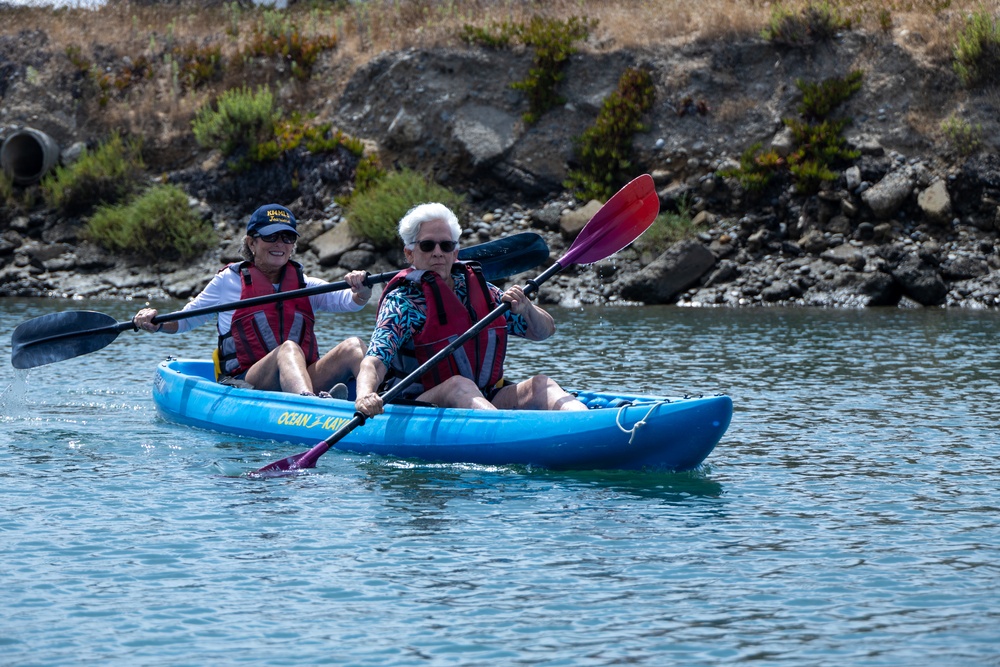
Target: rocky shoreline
901,227
831,261
733,262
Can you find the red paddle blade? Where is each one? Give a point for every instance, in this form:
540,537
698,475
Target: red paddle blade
295,462
620,221
284,465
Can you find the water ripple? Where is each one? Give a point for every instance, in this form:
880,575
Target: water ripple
849,516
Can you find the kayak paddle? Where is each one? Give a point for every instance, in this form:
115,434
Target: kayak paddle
59,336
620,221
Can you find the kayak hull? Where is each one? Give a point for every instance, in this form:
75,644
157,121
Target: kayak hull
632,433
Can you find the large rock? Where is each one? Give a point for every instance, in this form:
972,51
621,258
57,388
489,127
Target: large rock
920,281
330,245
870,289
485,133
677,269
572,221
887,196
813,242
964,267
935,202
845,254
405,130
453,112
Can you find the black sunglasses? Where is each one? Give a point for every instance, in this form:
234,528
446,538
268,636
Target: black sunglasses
284,236
428,245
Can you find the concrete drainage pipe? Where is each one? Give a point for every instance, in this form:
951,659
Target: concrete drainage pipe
27,155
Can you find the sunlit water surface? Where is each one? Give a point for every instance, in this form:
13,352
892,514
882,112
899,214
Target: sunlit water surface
849,516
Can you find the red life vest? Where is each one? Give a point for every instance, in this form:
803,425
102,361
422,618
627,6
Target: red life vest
480,358
260,329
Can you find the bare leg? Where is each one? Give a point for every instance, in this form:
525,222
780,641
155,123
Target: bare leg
457,392
538,393
282,369
338,365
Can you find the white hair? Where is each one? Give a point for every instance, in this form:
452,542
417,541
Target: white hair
409,226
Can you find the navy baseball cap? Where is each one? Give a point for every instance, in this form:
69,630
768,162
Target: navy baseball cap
270,219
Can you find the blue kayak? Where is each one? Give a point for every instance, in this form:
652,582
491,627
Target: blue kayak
620,431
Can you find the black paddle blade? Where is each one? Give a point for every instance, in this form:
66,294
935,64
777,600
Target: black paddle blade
58,336
508,256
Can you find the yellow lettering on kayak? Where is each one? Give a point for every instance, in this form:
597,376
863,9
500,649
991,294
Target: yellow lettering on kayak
292,418
333,423
311,421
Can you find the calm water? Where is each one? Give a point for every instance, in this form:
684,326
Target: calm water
850,516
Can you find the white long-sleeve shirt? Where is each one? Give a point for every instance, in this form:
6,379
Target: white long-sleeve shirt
226,287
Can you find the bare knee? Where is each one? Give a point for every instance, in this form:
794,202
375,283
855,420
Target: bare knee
350,352
290,349
536,396
546,394
355,346
458,384
458,392
541,385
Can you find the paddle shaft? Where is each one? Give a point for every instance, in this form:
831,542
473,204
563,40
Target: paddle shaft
269,298
308,459
619,222
60,336
530,288
491,255
393,393
194,312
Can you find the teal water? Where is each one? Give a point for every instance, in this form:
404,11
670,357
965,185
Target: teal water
850,516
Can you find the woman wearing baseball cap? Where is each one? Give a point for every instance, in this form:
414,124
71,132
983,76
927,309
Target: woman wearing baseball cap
273,346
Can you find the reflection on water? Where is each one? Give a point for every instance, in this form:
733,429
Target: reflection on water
846,517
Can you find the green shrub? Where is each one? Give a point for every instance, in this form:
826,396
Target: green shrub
977,54
552,40
110,82
241,121
822,141
16,198
367,174
278,37
158,225
964,138
493,36
810,174
291,133
375,213
757,168
820,99
246,125
668,228
604,150
819,147
818,21
884,18
6,188
197,65
105,176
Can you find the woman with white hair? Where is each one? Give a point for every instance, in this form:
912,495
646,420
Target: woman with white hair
433,302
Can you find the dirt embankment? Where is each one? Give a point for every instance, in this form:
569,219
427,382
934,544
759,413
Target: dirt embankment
910,222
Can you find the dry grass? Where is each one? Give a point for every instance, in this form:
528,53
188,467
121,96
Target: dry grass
363,30
733,109
368,28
